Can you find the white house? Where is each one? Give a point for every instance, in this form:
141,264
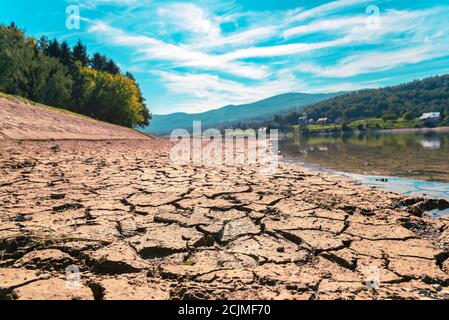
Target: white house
430,117
322,120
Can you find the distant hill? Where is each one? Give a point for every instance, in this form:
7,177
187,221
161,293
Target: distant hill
408,100
231,115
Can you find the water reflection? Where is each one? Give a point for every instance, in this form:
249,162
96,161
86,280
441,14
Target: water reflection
427,189
414,155
431,144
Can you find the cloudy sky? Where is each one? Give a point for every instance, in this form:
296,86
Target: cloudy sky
192,56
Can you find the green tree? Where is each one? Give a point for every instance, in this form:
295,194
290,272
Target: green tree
80,54
50,73
25,69
145,113
43,44
16,53
112,67
408,116
65,56
112,98
48,82
53,49
415,98
99,62
389,116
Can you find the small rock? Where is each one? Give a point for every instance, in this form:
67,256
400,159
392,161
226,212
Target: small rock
52,289
117,258
437,287
239,228
21,218
57,196
49,259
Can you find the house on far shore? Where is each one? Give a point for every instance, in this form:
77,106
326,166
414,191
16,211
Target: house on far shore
430,117
322,120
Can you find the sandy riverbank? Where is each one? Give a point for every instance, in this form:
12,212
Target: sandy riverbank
139,227
25,121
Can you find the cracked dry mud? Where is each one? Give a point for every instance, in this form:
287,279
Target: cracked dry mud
140,227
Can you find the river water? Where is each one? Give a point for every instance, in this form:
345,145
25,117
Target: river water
412,162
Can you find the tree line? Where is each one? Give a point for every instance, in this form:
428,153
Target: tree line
53,73
408,100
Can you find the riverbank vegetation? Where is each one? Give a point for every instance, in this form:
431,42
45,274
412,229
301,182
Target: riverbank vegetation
363,125
53,73
408,100
395,107
368,125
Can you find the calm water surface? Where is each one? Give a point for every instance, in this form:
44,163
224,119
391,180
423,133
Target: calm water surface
404,162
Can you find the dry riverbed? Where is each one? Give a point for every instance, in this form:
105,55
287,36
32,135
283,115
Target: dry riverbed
139,227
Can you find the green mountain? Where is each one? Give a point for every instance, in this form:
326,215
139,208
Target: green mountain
232,115
408,100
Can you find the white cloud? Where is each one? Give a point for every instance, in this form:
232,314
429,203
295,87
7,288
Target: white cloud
355,32
326,9
326,25
247,37
192,55
202,29
91,4
282,50
151,48
356,27
375,62
189,17
342,87
204,91
423,41
186,36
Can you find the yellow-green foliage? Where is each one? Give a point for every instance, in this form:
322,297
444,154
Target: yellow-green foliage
112,98
51,73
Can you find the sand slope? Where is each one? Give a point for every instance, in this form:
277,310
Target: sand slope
22,121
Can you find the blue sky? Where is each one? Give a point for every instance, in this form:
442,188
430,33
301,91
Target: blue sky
192,56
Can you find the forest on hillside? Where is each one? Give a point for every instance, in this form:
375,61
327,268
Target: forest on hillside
386,108
408,100
53,73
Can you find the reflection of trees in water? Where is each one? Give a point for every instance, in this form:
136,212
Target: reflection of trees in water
405,154
384,140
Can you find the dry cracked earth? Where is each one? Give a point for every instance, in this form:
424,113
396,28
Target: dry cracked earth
139,227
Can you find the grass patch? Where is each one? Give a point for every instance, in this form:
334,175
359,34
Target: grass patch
365,124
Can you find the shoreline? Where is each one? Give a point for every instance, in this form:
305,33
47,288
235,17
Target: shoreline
139,227
437,129
357,132
373,179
